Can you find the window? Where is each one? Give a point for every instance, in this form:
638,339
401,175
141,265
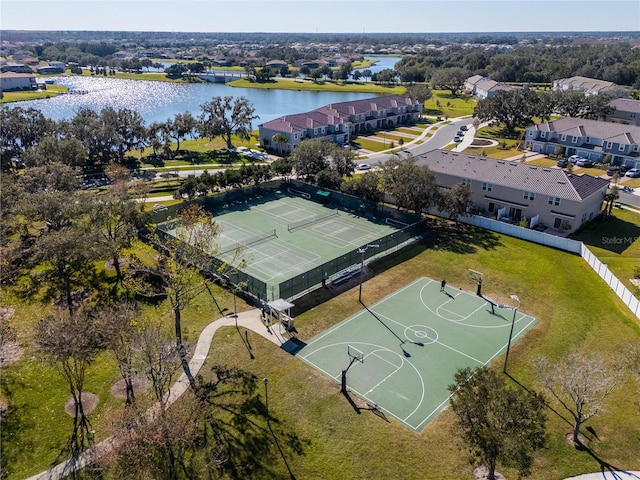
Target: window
563,137
621,147
588,140
609,144
554,201
574,139
295,135
492,207
556,223
636,148
466,181
529,195
487,186
543,134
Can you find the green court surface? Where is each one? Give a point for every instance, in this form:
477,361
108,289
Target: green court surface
282,235
412,342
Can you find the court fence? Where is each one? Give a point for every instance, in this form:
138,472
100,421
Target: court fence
410,228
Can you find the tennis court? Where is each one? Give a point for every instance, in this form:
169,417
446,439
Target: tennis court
412,342
282,235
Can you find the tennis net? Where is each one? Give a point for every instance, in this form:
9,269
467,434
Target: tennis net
311,220
247,242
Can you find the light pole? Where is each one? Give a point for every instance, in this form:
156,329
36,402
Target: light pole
513,321
265,380
361,252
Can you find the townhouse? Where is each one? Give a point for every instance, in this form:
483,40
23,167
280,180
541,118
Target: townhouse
482,87
17,81
590,86
339,121
548,197
626,111
595,140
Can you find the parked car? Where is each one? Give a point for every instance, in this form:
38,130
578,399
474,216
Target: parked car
634,172
563,162
575,158
460,133
439,118
464,128
457,139
583,162
611,171
363,166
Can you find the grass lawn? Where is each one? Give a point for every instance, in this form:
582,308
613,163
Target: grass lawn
575,309
444,104
542,162
320,85
616,242
151,76
372,145
51,91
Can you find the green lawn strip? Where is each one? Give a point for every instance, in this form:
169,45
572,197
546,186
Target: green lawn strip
371,145
321,85
202,150
594,172
546,280
51,91
149,76
444,104
542,162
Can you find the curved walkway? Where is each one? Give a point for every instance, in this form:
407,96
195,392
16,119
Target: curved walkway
618,475
250,319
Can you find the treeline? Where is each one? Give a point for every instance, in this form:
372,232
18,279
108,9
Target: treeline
615,62
94,139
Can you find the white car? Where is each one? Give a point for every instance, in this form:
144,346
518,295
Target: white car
363,166
634,172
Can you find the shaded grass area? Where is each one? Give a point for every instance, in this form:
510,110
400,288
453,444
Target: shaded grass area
542,162
36,428
149,76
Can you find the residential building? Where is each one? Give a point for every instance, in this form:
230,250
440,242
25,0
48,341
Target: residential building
482,87
591,139
626,111
590,86
338,121
550,197
17,81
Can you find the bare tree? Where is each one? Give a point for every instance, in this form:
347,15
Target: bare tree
117,327
70,343
580,384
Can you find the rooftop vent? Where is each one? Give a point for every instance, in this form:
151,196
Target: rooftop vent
546,170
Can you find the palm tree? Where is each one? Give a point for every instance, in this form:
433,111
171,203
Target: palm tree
280,139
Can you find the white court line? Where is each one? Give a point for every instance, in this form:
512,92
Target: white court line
397,369
357,314
435,341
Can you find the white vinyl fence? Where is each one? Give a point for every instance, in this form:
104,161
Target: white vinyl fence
565,244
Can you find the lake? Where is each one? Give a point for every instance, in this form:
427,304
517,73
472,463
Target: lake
159,101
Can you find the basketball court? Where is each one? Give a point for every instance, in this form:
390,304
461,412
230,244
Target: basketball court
401,353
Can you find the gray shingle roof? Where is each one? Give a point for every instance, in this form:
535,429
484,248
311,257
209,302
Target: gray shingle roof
579,127
545,181
626,105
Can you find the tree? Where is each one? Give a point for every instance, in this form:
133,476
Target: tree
610,197
225,117
342,160
115,218
282,167
413,186
579,384
309,157
183,124
367,186
280,139
117,327
70,343
452,78
419,92
515,108
497,423
455,200
329,179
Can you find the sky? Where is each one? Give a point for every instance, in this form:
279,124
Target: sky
312,16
